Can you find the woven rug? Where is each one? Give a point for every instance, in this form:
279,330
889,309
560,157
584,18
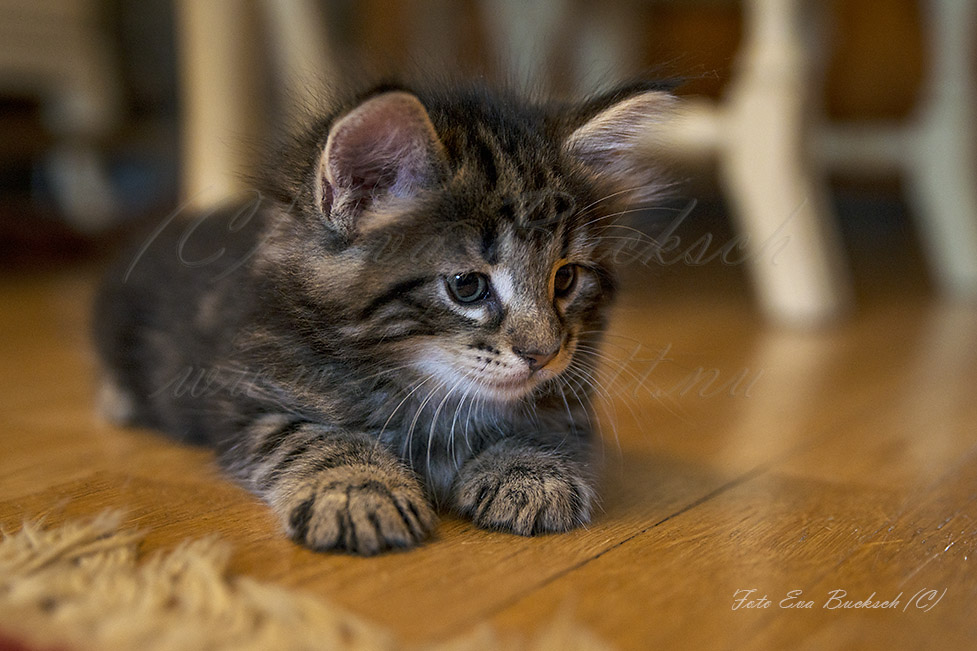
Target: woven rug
84,586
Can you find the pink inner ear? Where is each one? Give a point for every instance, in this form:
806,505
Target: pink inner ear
386,146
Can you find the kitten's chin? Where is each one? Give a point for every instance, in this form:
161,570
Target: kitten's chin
506,391
510,391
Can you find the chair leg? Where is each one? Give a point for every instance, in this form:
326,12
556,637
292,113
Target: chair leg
943,163
299,44
793,251
221,78
523,35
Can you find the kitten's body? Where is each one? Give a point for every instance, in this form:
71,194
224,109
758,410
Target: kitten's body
410,316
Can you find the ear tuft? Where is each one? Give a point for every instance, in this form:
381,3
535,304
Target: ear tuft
616,144
384,149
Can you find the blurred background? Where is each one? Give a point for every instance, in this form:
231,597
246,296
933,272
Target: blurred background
113,112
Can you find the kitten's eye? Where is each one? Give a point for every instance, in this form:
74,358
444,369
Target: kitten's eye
563,281
469,287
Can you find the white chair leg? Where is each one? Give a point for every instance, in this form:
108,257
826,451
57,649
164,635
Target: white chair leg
220,81
523,35
300,46
793,249
943,166
602,53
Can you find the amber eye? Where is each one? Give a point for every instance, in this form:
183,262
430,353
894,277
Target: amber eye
563,281
468,287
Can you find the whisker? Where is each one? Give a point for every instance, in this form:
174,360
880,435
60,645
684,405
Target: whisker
454,421
607,197
434,420
585,378
589,409
408,449
401,404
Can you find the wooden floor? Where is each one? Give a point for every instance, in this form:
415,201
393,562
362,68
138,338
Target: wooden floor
825,466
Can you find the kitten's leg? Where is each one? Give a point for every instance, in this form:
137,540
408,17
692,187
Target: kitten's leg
513,486
332,490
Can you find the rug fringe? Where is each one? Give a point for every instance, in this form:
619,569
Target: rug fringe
82,585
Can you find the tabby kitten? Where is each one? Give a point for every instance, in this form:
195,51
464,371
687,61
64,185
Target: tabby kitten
408,316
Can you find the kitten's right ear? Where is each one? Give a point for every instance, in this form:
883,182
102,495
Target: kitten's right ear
384,149
615,135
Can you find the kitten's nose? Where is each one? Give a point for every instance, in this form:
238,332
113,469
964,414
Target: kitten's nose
537,359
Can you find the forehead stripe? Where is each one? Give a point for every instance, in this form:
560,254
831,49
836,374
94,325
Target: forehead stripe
397,292
564,238
490,242
486,159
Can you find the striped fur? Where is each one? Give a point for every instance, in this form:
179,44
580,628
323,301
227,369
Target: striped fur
323,353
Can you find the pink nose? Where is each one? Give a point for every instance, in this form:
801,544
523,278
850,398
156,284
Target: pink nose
537,359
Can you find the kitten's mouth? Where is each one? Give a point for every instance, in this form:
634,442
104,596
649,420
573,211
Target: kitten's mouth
506,393
508,384
506,389
511,389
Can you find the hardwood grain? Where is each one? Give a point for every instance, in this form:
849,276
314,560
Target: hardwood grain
813,461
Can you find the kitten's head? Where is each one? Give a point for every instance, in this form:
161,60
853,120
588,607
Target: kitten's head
457,242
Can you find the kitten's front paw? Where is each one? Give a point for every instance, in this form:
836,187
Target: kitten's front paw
527,493
361,509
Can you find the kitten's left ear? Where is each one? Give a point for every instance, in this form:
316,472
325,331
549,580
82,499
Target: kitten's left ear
384,149
615,142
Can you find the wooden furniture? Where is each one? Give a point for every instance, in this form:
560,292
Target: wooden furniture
774,150
228,51
774,147
937,150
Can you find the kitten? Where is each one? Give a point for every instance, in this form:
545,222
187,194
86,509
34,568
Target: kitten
408,317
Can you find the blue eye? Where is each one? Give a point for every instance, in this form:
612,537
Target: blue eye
468,288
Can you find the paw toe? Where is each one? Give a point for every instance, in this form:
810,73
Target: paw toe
361,515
